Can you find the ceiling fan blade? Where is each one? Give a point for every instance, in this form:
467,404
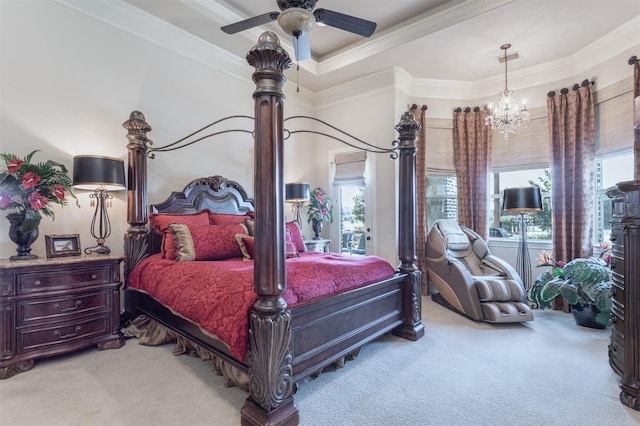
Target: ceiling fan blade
250,23
301,47
345,22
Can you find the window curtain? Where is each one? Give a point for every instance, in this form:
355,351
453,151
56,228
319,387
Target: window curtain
421,191
571,116
472,153
636,99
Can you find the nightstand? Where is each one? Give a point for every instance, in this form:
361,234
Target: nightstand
317,245
54,306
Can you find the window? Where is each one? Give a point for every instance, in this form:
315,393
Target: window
349,184
442,198
609,171
505,225
352,220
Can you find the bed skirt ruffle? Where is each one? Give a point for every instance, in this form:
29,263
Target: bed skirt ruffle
150,332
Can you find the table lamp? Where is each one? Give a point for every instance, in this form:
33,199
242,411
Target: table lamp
100,175
297,194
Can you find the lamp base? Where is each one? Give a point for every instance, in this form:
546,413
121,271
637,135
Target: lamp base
99,249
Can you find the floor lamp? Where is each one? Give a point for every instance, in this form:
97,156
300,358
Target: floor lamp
297,194
523,201
100,175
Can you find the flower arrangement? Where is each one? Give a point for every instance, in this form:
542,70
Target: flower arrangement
32,188
320,206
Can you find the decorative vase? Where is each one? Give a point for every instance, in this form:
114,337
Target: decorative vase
22,239
585,315
317,226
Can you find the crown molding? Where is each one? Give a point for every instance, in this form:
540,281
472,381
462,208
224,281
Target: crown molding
129,18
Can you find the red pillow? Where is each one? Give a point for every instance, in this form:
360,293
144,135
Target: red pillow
296,236
216,242
160,223
227,219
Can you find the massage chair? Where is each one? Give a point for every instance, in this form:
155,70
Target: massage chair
470,280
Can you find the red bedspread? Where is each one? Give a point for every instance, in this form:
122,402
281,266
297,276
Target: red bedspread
217,295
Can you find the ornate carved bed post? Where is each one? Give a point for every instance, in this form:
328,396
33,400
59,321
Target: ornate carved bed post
270,399
412,327
136,238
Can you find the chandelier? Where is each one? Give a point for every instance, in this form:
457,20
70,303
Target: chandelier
505,116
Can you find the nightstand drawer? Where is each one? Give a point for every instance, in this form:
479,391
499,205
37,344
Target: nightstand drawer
59,308
63,278
46,337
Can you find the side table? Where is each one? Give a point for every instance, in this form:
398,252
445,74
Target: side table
54,306
317,245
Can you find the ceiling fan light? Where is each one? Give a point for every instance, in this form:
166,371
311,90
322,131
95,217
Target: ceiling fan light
296,21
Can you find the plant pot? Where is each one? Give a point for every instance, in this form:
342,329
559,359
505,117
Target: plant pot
22,239
585,315
317,226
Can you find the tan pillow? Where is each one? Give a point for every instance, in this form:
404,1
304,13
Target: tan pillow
185,250
246,244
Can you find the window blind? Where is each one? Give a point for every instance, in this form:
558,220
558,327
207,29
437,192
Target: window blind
350,168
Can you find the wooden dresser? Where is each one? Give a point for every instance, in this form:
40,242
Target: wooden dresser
55,306
624,349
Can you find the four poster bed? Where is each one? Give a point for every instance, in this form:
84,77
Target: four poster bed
287,324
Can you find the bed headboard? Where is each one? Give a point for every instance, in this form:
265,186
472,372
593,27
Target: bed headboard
216,193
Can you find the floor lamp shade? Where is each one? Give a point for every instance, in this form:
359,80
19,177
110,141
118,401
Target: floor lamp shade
100,175
522,200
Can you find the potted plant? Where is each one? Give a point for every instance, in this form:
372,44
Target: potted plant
319,210
28,191
585,283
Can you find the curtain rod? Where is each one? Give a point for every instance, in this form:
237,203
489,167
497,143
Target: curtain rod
576,86
467,109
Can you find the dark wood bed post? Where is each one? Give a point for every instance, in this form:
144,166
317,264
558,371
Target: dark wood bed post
269,357
412,327
136,239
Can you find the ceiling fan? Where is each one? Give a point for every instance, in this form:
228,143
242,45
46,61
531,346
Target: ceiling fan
298,17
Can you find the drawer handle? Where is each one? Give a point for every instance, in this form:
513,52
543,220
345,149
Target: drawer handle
67,336
68,308
94,276
37,282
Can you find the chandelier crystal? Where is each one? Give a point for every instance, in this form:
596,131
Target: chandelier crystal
506,116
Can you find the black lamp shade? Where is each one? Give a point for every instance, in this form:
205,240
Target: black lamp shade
296,192
522,200
90,172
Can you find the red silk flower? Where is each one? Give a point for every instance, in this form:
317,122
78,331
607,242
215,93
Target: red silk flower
37,201
30,180
14,165
59,191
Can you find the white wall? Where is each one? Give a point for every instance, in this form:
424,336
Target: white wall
68,83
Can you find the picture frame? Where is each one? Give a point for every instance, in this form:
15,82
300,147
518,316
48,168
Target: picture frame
62,245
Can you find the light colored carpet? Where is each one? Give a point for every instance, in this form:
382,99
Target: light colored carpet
548,372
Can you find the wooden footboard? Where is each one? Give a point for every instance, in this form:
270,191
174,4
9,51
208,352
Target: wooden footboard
327,330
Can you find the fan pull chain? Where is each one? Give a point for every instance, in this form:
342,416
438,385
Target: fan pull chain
297,76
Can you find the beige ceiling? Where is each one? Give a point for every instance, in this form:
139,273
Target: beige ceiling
453,40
